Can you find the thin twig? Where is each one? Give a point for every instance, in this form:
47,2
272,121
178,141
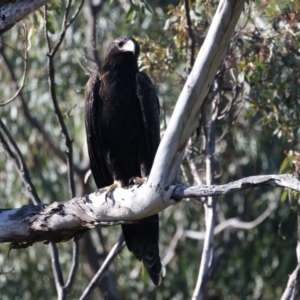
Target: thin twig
117,248
107,286
191,41
59,281
5,102
92,32
210,205
11,48
65,26
62,291
18,160
189,154
74,265
51,81
236,93
235,223
294,281
172,246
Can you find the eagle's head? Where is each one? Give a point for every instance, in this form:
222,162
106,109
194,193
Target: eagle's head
124,46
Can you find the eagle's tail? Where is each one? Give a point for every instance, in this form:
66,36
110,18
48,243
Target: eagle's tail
142,241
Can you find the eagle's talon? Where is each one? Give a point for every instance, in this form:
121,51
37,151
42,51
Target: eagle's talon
106,197
108,189
138,180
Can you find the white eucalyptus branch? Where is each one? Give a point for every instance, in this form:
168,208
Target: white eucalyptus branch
61,221
168,158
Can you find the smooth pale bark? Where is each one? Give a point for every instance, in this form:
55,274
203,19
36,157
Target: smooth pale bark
169,155
292,286
61,221
12,11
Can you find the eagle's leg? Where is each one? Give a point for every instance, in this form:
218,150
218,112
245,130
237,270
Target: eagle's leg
138,180
108,189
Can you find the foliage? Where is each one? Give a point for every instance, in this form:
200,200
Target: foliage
257,133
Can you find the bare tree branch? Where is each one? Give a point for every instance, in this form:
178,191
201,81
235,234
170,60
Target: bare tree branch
51,81
292,286
170,252
58,277
235,223
189,154
169,154
74,265
210,204
65,25
17,159
285,180
62,291
12,12
294,281
61,221
191,40
230,223
94,9
107,286
19,90
117,248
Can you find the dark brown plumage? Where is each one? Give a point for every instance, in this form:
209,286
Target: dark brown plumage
122,126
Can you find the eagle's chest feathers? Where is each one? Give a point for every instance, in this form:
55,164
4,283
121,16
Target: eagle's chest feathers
121,117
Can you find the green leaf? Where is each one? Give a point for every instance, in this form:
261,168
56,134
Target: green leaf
50,20
131,15
286,162
284,195
54,6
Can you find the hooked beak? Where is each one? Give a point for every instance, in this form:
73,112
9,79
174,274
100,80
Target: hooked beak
129,46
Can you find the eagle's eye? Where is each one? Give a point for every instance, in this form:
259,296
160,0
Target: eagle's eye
121,44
